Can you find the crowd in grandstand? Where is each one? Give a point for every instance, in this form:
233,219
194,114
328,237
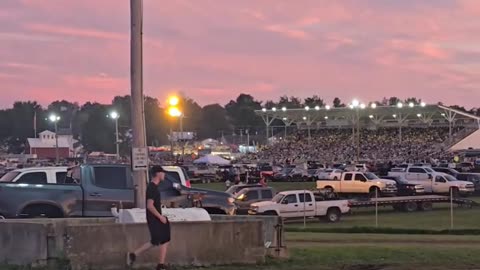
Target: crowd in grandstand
339,145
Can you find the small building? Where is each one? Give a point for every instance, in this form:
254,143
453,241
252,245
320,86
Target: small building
44,147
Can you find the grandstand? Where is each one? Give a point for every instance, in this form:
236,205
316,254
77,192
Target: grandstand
404,131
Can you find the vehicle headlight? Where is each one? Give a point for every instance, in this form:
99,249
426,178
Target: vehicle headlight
231,200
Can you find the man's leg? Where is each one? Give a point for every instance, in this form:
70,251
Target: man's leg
143,248
162,253
132,256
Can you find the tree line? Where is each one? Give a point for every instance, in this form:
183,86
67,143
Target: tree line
89,123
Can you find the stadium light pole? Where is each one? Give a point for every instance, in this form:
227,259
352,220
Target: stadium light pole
54,119
114,115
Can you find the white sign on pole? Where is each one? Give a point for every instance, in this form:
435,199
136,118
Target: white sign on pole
140,159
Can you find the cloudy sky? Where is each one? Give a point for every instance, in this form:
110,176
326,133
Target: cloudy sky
213,49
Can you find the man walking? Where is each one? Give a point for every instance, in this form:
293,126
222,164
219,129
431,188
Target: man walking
158,225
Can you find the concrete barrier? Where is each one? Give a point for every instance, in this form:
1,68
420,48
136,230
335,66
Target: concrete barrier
23,244
103,244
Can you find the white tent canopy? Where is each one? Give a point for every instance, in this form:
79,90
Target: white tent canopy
472,141
211,159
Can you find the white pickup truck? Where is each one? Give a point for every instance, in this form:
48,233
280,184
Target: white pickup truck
359,183
434,182
300,203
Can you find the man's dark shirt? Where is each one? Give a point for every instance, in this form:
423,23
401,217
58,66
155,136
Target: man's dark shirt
153,194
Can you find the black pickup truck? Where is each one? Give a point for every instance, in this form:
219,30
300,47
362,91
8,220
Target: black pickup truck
92,190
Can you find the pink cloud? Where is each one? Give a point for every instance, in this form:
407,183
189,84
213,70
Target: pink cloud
75,32
288,32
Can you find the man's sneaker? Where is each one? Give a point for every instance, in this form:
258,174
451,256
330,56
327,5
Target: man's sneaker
161,267
131,258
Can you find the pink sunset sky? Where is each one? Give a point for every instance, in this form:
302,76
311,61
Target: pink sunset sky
212,50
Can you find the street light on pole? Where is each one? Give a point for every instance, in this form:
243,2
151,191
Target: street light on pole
54,119
174,111
114,115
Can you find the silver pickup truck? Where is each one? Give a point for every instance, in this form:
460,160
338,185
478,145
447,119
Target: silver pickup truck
92,190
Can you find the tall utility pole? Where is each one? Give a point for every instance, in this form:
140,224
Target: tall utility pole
136,80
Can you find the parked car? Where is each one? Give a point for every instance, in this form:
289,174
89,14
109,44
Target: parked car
298,174
359,183
435,182
237,188
90,190
282,175
330,174
313,174
249,195
301,203
462,176
404,188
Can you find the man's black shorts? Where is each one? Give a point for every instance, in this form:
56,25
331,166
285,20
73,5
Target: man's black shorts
159,232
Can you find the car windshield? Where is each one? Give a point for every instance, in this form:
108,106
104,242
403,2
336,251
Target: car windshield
278,198
329,170
450,178
371,176
429,170
9,177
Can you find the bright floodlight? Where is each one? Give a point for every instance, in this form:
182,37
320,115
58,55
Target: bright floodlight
307,108
400,105
394,116
54,118
373,106
284,109
411,104
284,118
317,107
351,106
370,116
304,118
173,101
355,103
362,106
174,112
419,115
326,117
114,115
264,109
327,107
423,104
274,109
443,114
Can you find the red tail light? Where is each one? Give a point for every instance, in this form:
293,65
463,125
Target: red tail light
188,184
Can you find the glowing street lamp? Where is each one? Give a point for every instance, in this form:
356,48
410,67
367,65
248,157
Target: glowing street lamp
362,106
174,112
284,109
114,115
274,109
327,107
400,105
173,101
355,103
307,108
373,106
264,109
411,104
317,108
423,104
54,119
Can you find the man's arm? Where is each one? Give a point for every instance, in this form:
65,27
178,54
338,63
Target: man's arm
153,210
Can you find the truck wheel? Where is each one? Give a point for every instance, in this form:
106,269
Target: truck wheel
270,213
374,191
410,207
425,206
333,215
397,207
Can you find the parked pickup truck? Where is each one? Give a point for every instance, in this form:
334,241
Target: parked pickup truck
359,183
434,182
92,190
300,203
